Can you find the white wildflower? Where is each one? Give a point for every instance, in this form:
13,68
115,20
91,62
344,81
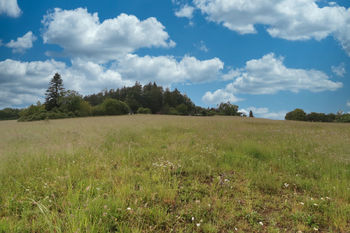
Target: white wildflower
198,224
261,223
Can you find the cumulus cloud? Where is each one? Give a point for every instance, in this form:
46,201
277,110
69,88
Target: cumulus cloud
287,19
185,11
268,75
22,43
10,8
166,70
81,34
24,83
201,46
264,113
219,96
339,70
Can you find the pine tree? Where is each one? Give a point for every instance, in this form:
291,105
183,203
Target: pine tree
54,92
251,113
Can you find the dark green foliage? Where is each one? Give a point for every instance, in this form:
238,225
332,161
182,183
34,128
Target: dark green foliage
149,96
54,93
296,115
182,109
344,118
9,114
39,112
74,103
228,109
142,110
111,107
251,113
300,115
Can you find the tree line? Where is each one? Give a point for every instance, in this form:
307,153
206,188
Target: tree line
299,115
138,99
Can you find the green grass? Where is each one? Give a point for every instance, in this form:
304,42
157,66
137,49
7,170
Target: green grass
174,174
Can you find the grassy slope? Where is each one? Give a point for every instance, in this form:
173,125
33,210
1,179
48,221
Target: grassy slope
174,174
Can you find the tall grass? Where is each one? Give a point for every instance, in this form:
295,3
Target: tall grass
174,174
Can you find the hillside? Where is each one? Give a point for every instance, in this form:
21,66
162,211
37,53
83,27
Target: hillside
157,173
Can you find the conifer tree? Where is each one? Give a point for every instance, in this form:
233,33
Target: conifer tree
54,92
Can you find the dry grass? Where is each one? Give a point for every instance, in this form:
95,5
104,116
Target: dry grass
174,174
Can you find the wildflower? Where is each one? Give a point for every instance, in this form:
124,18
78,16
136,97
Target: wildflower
198,224
322,198
87,188
286,185
327,198
236,229
192,219
315,204
105,206
209,205
302,203
128,208
226,180
198,201
315,229
104,214
261,223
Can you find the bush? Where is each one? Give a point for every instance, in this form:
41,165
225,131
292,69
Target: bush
182,109
9,114
142,110
111,107
296,115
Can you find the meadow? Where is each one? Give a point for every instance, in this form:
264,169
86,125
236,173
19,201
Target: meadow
153,173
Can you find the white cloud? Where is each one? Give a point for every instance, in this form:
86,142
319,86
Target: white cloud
22,43
264,113
268,75
287,19
81,34
202,47
10,8
219,96
166,70
185,11
339,70
24,83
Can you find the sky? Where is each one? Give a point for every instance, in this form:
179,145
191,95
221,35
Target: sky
268,56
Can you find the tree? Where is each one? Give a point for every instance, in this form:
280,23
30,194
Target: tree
251,113
54,92
228,109
296,115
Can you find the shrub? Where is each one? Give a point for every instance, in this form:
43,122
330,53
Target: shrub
142,110
111,107
296,115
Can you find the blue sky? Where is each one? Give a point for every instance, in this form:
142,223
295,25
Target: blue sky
269,56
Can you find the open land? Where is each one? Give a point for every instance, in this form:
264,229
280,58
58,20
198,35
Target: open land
153,173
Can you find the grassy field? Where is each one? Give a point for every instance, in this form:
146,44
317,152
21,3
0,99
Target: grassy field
174,174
